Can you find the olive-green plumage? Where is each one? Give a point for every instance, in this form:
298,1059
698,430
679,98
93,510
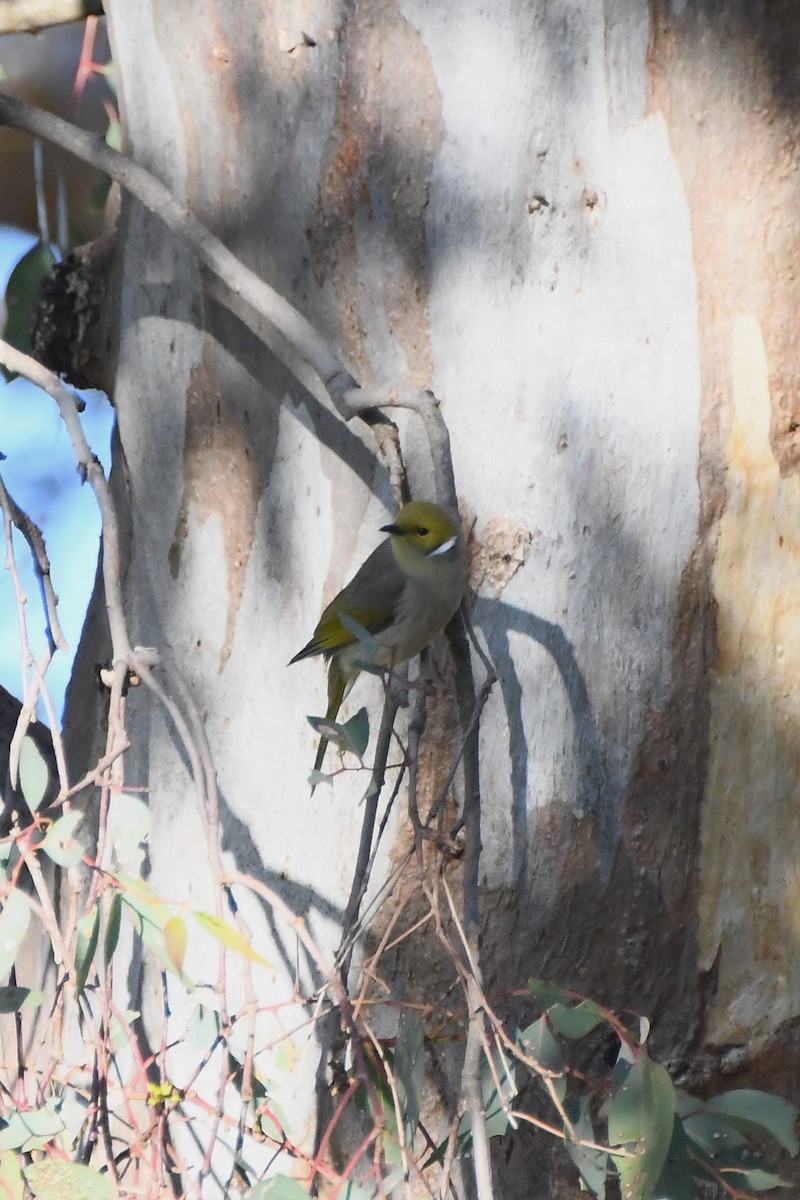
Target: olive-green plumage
404,594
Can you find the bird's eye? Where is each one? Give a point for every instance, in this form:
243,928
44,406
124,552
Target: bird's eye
422,531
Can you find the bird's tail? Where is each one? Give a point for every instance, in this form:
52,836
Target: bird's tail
337,686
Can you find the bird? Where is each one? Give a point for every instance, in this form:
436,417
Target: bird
403,595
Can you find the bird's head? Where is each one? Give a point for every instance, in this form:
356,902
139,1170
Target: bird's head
424,529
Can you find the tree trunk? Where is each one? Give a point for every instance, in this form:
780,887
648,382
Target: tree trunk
575,223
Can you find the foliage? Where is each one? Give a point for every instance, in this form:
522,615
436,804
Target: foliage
630,1123
93,1107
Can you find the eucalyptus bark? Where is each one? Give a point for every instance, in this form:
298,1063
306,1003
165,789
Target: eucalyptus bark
538,211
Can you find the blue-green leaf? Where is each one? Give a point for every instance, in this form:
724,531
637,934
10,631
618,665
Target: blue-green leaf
15,999
409,1070
757,1112
14,920
277,1187
547,994
11,1187
538,1043
592,1164
640,1120
22,292
34,774
677,1180
575,1022
111,937
355,733
60,844
28,1131
53,1179
88,936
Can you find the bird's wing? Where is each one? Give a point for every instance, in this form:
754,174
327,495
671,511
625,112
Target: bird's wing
370,599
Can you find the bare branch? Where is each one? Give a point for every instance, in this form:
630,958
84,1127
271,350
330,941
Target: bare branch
359,401
41,564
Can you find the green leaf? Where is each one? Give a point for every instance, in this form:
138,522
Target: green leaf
113,136
22,292
230,938
677,1178
13,999
277,1187
640,1119
494,1106
28,1131
547,994
118,1032
409,1071
361,634
52,1179
111,938
592,1164
176,938
34,774
758,1180
203,1024
140,897
128,827
537,1042
495,1101
717,1146
86,946
60,844
575,1022
355,733
14,920
11,1187
752,1111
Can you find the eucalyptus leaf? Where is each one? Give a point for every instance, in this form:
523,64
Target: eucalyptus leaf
592,1164
176,939
22,291
11,1186
640,1121
129,827
14,999
355,733
60,844
277,1187
718,1146
409,1071
753,1111
537,1042
53,1179
547,994
677,1180
228,937
577,1021
86,947
34,774
758,1180
141,898
360,634
111,938
15,917
26,1131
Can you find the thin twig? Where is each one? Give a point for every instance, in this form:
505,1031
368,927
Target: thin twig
41,565
361,872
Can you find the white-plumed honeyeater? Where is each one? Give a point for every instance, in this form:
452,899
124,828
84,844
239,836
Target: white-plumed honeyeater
403,595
